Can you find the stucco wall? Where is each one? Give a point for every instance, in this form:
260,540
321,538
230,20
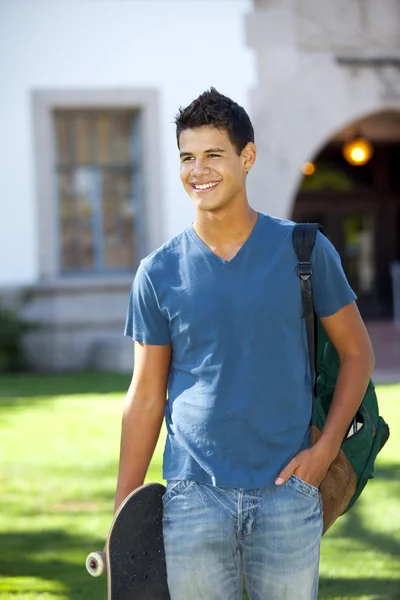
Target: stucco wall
177,48
303,95
287,76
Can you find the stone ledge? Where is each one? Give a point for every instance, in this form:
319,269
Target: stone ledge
82,284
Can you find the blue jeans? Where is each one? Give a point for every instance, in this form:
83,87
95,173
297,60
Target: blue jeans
214,537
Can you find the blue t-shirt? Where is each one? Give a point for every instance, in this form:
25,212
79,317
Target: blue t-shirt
239,387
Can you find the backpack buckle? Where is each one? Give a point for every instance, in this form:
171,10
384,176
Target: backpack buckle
304,270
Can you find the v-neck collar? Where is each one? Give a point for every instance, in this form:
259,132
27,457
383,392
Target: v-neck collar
207,250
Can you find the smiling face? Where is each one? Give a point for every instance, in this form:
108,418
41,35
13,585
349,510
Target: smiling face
212,172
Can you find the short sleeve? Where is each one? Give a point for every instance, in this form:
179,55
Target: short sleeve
330,286
145,321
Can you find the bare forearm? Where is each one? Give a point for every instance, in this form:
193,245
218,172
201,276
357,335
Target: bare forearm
141,426
350,338
352,382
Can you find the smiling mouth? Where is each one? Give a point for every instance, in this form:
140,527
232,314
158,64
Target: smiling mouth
205,187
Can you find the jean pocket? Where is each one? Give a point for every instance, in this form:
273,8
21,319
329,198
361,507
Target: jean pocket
176,488
302,486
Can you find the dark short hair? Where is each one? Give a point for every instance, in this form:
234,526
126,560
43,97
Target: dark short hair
212,109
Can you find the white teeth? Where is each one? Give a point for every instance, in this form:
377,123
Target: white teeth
205,186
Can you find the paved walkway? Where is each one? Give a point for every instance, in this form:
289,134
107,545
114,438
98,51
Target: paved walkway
385,337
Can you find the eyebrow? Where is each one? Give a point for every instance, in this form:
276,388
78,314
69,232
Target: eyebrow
182,154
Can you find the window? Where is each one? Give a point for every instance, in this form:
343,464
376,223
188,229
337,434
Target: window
98,189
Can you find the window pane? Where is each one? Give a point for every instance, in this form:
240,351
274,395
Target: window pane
63,137
82,139
75,192
102,139
118,230
121,138
95,177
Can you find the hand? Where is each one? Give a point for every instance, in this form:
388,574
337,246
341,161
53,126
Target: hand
311,466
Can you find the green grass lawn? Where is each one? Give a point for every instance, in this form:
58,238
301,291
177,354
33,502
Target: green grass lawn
59,444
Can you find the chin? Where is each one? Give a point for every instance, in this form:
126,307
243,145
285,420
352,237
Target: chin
209,206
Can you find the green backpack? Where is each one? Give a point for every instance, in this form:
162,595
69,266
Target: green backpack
368,433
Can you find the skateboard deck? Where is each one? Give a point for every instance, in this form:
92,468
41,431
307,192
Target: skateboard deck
134,556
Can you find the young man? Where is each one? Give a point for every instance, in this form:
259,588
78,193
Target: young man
216,315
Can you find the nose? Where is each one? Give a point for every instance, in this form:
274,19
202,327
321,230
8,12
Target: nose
199,168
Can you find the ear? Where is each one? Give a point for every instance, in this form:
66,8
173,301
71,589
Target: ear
248,155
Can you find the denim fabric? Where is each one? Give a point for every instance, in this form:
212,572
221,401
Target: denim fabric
217,537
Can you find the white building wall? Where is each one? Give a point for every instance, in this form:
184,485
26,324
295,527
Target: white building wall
177,47
303,95
278,58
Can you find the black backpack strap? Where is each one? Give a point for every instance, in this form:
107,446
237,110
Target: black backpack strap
303,237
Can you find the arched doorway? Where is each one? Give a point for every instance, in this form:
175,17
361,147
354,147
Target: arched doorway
359,207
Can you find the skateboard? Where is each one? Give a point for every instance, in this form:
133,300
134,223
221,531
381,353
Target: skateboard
134,558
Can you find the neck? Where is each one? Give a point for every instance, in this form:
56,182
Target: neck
231,225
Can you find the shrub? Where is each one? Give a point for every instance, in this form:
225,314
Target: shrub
12,330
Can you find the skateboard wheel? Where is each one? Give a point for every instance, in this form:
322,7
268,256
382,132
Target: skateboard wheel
96,564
